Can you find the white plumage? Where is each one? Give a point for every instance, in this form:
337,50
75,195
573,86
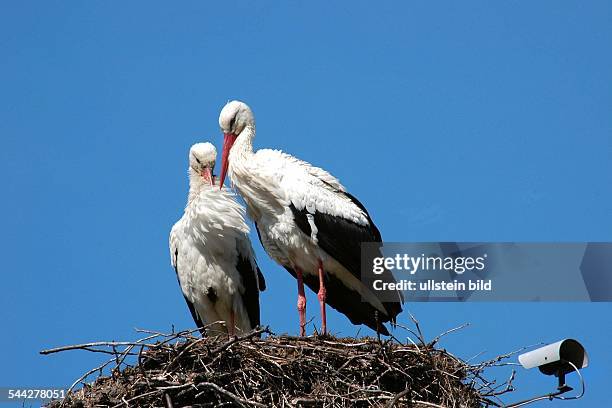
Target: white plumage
300,211
211,252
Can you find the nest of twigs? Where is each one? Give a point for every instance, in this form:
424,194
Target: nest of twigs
263,370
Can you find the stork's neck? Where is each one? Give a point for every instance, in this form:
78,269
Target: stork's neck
241,168
242,150
197,184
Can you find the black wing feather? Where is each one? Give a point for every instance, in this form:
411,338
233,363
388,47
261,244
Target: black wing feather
250,297
261,279
190,305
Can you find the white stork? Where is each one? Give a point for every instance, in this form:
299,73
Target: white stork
211,252
307,222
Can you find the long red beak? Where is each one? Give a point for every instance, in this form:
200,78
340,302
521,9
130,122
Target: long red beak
228,142
207,174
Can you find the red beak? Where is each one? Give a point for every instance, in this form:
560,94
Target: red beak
207,174
228,142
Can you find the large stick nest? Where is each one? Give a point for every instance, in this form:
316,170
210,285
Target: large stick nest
181,369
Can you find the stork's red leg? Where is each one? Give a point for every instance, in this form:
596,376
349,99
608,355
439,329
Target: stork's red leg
301,303
322,295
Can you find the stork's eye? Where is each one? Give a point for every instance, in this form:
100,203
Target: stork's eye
232,123
198,160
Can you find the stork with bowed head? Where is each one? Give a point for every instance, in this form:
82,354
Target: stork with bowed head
307,222
211,252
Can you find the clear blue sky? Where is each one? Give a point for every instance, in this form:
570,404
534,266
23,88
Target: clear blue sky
481,121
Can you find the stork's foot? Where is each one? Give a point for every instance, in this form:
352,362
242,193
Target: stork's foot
322,336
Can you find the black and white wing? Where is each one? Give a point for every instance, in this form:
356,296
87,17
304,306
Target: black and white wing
175,242
252,280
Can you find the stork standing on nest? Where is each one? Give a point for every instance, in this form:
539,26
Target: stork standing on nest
212,254
307,222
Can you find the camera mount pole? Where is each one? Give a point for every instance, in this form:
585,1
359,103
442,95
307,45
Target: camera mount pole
562,388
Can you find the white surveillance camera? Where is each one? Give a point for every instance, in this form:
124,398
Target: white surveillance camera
558,359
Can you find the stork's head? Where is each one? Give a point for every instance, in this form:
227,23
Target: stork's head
234,117
202,157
